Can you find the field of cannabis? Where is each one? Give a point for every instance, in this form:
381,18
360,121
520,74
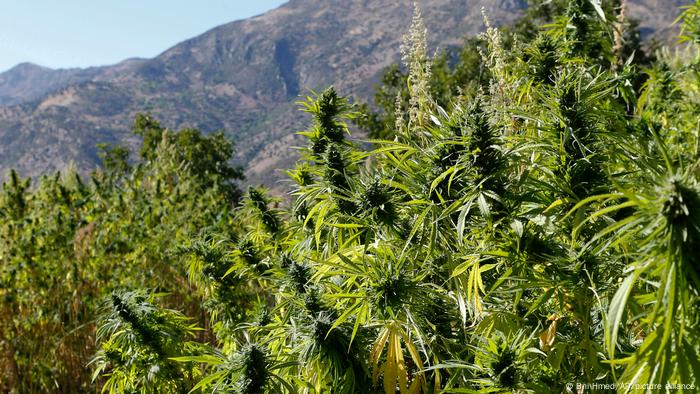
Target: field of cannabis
524,216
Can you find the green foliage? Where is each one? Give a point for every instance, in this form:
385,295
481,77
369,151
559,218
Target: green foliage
459,74
537,231
66,243
207,157
138,337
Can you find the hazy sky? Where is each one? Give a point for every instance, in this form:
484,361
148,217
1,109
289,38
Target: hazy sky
79,33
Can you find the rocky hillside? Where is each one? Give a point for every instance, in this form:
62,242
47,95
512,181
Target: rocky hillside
26,81
243,77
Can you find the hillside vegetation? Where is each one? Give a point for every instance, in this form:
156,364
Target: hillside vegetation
519,229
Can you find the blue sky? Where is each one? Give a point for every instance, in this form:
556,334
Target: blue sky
80,33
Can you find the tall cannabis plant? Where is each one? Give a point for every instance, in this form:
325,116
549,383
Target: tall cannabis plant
531,234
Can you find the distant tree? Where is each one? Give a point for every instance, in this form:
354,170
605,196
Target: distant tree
208,157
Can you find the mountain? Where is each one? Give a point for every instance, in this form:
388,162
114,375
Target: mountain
243,77
27,81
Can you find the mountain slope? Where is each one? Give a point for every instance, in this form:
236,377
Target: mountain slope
28,81
243,77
